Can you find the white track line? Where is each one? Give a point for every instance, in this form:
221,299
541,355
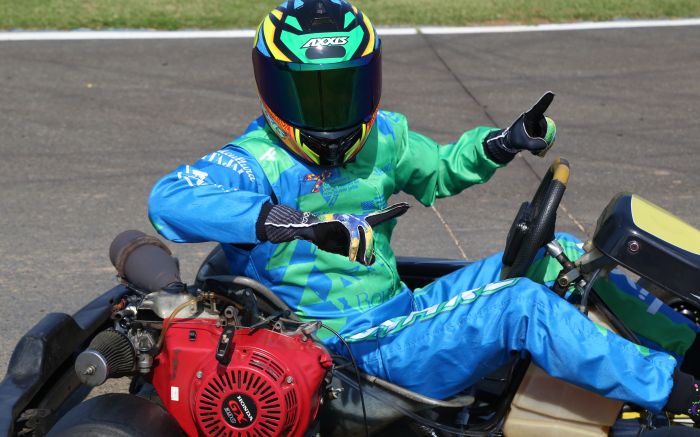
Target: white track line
74,35
396,31
631,24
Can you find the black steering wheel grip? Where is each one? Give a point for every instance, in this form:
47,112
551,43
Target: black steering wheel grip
535,222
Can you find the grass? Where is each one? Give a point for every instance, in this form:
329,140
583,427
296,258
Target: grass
228,14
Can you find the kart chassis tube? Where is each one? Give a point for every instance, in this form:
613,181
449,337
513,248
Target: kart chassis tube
40,383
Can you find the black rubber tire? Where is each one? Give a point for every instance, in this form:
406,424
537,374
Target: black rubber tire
673,431
116,415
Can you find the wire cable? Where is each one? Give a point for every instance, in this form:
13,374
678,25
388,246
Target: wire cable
358,377
357,374
587,291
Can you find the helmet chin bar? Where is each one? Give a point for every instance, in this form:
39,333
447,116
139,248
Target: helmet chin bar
330,147
332,152
325,149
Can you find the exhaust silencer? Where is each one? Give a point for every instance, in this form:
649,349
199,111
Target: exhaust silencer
144,261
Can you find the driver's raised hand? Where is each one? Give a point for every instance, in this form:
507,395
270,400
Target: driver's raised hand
345,234
531,131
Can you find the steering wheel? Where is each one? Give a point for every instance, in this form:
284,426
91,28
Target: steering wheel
533,226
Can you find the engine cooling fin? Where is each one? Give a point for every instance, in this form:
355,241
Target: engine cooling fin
271,386
242,403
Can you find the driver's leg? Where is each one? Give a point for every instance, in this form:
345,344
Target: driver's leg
657,325
440,350
476,274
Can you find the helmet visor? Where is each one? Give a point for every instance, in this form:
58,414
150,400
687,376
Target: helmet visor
321,97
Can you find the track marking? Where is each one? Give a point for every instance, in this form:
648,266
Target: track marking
397,31
620,24
133,34
449,231
79,35
126,34
494,123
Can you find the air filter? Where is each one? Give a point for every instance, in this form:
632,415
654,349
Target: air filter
110,355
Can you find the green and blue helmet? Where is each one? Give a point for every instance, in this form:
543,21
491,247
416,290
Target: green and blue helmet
318,69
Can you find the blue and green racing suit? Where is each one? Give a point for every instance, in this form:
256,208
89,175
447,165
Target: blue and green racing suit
437,340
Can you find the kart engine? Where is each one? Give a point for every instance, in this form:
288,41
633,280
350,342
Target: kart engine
219,367
247,382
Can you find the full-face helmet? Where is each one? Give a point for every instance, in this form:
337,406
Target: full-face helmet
318,69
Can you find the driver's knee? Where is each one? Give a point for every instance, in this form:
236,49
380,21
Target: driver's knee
525,297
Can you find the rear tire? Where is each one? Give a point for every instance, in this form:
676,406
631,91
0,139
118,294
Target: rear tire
673,431
116,415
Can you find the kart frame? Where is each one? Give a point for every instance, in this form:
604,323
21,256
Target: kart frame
40,385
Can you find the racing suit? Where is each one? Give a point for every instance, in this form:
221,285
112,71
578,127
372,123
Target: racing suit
437,340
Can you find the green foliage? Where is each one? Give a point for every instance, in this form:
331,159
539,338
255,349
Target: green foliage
228,14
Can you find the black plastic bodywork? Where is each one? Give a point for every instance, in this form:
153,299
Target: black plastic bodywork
40,382
670,267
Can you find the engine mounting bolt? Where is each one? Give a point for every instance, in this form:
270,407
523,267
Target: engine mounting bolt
289,379
335,392
633,246
200,374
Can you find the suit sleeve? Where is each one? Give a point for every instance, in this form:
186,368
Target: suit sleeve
218,198
428,170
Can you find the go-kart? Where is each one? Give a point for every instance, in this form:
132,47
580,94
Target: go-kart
225,356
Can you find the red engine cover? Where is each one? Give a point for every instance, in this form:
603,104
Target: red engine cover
271,386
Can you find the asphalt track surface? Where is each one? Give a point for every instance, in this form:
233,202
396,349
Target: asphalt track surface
87,127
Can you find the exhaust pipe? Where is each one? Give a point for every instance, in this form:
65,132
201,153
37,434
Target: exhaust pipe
144,261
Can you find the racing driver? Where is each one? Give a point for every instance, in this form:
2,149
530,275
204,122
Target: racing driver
299,203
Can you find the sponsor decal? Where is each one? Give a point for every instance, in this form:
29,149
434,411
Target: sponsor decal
332,186
326,42
239,410
320,179
270,155
273,124
392,326
305,218
193,177
226,158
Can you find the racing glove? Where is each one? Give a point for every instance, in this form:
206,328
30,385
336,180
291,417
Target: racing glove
343,234
531,131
